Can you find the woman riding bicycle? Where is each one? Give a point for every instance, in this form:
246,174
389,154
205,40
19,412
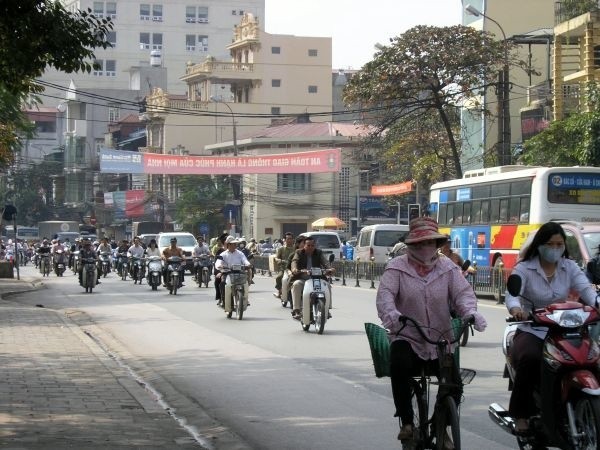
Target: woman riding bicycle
427,288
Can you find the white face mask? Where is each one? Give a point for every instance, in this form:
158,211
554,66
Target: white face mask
551,254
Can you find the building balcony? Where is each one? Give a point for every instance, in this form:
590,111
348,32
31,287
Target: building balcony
219,72
564,11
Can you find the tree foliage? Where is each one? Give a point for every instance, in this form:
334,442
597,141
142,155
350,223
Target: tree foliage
428,69
35,35
201,200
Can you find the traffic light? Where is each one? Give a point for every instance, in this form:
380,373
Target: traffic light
414,211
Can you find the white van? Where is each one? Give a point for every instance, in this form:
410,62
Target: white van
377,240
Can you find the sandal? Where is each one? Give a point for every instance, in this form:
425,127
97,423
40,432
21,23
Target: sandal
406,432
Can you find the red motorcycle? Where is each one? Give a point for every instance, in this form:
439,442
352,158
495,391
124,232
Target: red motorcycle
567,399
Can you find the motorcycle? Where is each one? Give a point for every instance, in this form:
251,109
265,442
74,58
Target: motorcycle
138,268
567,399
154,264
60,263
237,280
104,262
202,265
173,277
89,274
45,263
123,265
76,261
316,300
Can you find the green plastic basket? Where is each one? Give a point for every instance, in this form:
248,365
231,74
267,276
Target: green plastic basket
380,349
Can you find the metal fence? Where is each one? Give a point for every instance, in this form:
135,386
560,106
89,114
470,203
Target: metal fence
486,281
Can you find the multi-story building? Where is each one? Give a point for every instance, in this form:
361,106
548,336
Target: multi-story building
531,28
267,76
181,30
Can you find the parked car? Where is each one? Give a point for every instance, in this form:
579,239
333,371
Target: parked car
327,241
186,241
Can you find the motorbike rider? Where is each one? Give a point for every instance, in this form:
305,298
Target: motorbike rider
173,250
426,287
87,251
281,258
122,249
231,256
216,250
306,258
152,249
547,275
249,256
201,249
135,251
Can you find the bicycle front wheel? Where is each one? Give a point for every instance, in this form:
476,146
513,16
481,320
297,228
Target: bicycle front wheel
447,425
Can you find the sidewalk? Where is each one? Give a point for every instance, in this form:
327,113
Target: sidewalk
59,390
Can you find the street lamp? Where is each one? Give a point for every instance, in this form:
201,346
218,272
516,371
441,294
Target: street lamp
504,134
218,100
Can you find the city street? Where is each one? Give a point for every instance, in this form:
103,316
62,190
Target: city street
263,378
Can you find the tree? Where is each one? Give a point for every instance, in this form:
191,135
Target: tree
201,201
428,69
34,35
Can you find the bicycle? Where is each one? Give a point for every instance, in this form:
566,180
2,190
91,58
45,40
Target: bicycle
433,432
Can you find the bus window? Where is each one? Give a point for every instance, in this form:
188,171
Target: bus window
458,213
524,212
467,212
514,209
450,214
476,208
494,210
503,217
442,214
500,190
481,191
520,187
485,211
573,248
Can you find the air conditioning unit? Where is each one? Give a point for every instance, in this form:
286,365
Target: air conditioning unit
203,20
157,19
190,20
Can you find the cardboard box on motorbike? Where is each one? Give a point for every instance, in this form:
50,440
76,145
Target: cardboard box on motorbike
272,265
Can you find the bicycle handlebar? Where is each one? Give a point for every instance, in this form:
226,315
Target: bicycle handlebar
465,322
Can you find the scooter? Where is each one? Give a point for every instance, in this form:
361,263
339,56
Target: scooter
60,262
316,300
154,264
202,265
123,265
173,278
567,399
45,263
89,274
237,281
138,268
104,261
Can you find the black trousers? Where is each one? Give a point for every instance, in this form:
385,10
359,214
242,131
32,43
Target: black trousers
526,357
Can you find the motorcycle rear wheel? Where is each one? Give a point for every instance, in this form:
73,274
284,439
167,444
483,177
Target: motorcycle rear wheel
205,277
587,420
447,423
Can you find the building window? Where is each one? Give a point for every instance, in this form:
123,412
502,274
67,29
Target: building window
157,13
144,41
275,83
190,14
313,52
233,12
99,9
111,10
98,70
203,43
144,11
293,182
241,12
275,50
190,42
111,68
312,89
113,113
157,41
202,14
111,36
275,110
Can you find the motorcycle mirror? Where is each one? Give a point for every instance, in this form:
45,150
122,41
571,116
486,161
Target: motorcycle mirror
513,285
331,258
465,265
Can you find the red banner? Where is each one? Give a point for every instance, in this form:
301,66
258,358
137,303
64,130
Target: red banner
392,189
319,161
134,203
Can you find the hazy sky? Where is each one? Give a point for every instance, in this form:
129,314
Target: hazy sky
356,25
